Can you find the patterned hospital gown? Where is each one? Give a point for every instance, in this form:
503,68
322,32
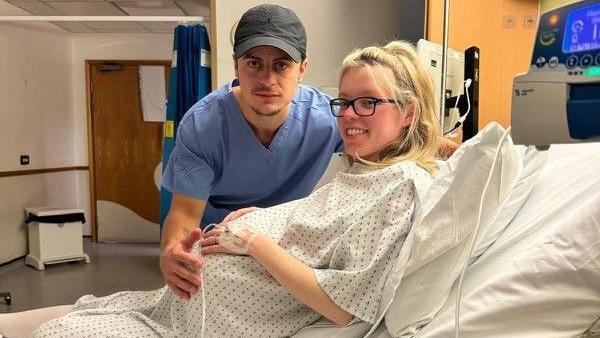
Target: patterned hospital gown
349,231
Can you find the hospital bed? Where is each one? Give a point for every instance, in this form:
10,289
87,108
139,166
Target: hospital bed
539,278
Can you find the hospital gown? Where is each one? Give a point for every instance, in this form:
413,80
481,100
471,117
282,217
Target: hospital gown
349,231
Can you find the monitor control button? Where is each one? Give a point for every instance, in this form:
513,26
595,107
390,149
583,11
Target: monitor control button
571,62
586,61
540,62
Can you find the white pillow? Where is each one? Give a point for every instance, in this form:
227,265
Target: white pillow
533,162
445,222
541,278
337,163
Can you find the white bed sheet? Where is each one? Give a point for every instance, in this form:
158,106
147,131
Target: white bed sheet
541,278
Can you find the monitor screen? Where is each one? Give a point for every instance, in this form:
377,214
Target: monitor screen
582,30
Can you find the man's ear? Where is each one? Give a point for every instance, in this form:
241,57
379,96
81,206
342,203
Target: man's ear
303,65
235,66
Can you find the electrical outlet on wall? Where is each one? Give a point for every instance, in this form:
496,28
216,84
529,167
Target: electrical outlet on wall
508,21
24,159
529,22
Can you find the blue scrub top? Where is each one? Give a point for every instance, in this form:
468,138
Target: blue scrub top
217,157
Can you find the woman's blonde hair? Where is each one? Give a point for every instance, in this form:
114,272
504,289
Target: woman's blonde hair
412,86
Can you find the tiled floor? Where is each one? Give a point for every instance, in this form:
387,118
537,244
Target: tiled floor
114,267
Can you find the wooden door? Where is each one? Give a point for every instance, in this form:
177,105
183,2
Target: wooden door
126,152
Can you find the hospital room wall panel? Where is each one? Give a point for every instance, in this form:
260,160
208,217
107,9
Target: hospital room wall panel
500,30
333,27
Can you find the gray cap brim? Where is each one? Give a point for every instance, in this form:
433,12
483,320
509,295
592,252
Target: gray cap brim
256,41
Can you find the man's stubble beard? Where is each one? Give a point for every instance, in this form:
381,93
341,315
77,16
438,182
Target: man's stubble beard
267,113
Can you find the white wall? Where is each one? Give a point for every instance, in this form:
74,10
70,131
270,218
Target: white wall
333,28
36,117
44,114
35,92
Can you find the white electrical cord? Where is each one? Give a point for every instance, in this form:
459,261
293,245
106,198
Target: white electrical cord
475,233
461,120
460,93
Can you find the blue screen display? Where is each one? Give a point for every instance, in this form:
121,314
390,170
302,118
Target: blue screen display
582,31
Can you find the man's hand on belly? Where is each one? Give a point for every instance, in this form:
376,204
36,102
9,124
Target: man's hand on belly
177,263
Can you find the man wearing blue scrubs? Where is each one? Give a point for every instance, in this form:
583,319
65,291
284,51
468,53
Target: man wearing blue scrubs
260,141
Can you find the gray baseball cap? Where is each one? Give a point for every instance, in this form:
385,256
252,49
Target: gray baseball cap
270,25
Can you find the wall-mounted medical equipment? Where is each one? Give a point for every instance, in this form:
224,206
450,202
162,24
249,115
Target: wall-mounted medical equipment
558,100
462,85
430,54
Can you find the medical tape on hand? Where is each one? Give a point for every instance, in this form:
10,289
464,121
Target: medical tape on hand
237,238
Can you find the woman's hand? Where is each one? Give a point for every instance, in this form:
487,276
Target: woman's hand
237,214
210,241
231,240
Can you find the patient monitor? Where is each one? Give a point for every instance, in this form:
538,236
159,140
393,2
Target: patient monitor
558,99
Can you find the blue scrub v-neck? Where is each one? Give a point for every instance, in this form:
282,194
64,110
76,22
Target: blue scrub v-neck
279,138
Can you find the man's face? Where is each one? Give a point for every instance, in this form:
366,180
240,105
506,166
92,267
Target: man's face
268,79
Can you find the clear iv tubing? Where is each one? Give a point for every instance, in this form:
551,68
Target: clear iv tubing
476,232
199,247
203,306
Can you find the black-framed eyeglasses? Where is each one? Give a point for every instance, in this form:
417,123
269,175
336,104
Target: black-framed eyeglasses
363,106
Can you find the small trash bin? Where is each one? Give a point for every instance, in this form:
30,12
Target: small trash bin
55,236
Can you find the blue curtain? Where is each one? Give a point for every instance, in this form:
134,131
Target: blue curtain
189,82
